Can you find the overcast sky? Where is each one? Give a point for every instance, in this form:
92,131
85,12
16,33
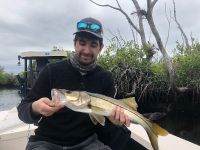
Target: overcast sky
38,25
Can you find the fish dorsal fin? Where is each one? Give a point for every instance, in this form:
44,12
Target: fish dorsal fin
130,102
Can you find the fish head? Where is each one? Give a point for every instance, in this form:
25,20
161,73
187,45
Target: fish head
75,99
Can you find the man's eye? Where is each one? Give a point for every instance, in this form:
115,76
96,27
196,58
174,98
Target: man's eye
94,45
82,42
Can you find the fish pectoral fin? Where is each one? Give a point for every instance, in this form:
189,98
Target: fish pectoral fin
130,102
83,110
97,119
99,111
98,114
94,121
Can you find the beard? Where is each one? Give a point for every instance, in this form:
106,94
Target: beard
85,59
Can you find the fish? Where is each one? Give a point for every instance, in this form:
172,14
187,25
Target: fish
99,106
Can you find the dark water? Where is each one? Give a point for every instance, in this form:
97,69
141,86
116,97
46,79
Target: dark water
9,98
182,112
184,125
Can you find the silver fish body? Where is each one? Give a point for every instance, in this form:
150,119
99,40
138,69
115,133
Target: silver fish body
98,106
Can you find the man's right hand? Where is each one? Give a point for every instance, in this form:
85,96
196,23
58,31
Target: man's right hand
45,107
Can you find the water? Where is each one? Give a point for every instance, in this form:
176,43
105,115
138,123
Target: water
9,98
184,125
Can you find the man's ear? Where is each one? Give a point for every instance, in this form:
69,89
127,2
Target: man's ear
101,47
74,42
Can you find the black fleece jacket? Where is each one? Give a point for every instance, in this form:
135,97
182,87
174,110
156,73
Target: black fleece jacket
67,127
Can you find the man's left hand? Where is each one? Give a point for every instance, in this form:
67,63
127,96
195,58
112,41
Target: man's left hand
118,117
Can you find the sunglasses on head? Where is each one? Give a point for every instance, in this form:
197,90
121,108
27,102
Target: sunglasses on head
89,26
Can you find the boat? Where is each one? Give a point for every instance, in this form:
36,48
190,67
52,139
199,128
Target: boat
14,133
34,62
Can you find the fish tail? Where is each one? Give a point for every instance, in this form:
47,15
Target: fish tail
153,135
159,130
153,139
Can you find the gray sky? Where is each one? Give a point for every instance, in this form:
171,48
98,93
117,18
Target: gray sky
38,25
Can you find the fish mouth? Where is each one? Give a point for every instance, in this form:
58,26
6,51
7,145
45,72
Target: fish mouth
58,96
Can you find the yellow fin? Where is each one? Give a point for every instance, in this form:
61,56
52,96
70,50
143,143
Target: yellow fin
99,119
94,121
98,114
159,130
153,134
130,102
97,110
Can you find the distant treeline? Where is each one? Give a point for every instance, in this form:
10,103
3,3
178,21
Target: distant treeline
7,79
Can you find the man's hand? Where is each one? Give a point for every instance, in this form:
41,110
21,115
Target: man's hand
118,117
45,107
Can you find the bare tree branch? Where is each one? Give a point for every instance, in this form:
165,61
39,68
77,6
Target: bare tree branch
125,14
169,24
149,16
142,33
140,13
160,43
180,28
150,5
153,3
118,4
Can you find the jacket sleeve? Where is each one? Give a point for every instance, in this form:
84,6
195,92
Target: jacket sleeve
40,89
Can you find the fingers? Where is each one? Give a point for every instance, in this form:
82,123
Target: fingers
48,102
118,117
118,114
127,123
45,107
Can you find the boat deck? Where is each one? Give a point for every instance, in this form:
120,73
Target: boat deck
14,135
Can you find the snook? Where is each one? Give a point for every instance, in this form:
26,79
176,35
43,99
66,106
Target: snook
98,106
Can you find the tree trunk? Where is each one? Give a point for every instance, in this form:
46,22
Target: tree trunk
162,49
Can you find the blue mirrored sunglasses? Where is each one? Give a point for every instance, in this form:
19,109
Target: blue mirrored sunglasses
89,26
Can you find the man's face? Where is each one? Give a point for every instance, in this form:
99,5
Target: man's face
87,50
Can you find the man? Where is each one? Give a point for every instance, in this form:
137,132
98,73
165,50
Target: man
59,127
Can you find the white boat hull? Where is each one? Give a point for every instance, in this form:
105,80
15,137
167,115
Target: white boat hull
15,135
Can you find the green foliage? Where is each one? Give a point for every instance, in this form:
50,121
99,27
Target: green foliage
160,78
126,52
187,70
7,79
186,63
126,61
195,49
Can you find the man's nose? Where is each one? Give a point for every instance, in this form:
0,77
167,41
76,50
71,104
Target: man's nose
87,48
